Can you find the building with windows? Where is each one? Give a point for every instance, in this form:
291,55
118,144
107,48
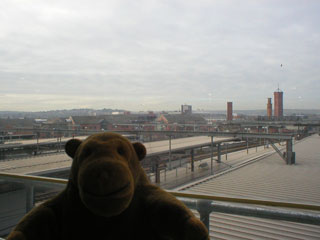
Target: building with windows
186,109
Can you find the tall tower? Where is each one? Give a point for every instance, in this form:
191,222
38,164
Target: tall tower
278,103
229,111
269,108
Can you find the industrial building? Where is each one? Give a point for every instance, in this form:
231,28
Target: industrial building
229,111
278,103
269,108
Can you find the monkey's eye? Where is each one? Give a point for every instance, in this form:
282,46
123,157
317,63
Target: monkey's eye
121,150
87,152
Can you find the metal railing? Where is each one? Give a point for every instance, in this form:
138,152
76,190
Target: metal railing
204,204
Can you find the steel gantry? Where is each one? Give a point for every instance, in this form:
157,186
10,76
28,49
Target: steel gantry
245,136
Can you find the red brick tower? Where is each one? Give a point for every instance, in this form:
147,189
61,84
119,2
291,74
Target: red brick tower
229,111
278,103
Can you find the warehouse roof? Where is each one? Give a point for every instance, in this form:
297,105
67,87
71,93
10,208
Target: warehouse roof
183,119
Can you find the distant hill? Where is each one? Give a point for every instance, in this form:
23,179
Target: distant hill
57,113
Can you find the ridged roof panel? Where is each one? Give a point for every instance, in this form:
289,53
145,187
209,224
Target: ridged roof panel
268,179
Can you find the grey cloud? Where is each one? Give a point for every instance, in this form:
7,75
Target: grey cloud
161,52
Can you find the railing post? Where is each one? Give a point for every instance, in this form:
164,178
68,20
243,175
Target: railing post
204,208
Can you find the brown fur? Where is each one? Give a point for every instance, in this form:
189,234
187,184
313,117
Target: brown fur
108,196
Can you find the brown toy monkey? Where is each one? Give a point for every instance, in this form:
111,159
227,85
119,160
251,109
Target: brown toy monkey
109,196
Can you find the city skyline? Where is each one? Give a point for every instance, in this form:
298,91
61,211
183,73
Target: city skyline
152,55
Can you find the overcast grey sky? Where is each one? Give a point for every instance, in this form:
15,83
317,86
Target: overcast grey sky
158,54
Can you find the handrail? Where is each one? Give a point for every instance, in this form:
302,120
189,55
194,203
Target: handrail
4,175
33,178
204,204
247,201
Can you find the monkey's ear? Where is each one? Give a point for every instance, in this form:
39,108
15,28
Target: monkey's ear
140,150
72,146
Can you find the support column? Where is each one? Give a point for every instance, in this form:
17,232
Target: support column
290,154
170,152
211,154
60,147
37,151
219,152
157,173
2,155
267,139
58,144
192,160
227,151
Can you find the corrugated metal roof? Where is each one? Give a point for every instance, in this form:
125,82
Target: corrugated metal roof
36,164
268,179
226,226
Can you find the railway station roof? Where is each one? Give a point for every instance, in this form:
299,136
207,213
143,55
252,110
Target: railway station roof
45,163
267,179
